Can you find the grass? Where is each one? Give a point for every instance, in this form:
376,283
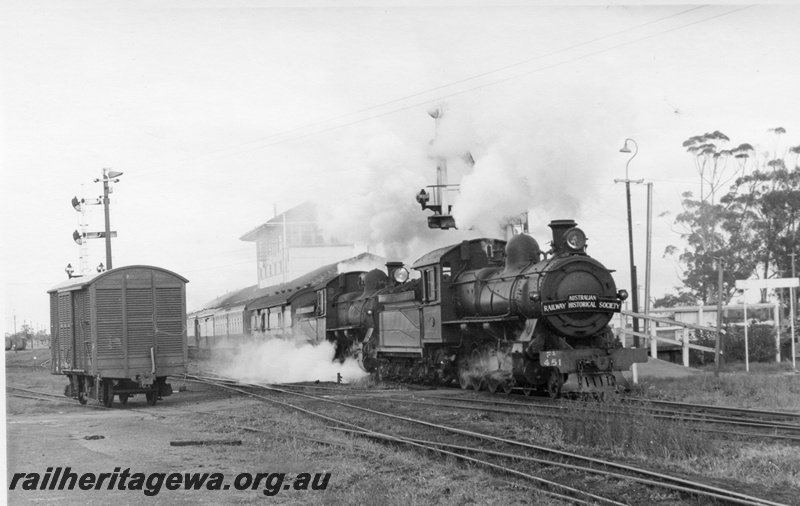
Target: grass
762,388
370,383
364,472
630,430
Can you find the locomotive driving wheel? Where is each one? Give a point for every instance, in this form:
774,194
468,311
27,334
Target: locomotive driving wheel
554,383
476,378
492,384
507,388
463,374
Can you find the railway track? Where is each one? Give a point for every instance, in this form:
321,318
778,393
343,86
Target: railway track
485,453
751,413
779,429
518,452
764,424
793,435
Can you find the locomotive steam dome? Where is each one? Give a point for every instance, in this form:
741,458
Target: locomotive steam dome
522,250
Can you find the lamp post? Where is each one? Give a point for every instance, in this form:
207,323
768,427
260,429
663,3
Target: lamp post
108,176
634,286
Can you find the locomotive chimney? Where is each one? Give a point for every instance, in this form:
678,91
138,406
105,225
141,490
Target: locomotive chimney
559,227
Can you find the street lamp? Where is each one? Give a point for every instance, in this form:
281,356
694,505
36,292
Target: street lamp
634,286
108,176
100,267
69,270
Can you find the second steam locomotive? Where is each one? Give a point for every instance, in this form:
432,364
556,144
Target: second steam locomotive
483,313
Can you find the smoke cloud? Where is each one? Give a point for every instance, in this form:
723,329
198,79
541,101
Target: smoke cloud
528,155
287,361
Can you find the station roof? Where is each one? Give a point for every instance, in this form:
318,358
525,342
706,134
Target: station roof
305,212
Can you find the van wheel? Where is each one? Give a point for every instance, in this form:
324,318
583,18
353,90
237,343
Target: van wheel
107,392
152,398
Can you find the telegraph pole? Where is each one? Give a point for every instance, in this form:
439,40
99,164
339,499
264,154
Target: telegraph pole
792,310
718,347
634,285
108,176
647,323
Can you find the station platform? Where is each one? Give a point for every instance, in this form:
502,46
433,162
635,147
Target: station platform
655,368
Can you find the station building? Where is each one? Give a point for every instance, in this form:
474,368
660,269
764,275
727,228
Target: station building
291,244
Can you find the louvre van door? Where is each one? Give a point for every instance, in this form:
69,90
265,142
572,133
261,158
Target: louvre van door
63,347
141,325
170,324
111,353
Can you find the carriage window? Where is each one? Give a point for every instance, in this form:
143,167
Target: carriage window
489,251
431,284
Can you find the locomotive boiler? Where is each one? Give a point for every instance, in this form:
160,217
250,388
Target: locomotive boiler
486,313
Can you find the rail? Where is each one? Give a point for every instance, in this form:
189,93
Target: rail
651,335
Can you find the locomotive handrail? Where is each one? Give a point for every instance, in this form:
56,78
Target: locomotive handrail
482,319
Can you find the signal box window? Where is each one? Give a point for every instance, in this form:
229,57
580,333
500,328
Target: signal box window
431,283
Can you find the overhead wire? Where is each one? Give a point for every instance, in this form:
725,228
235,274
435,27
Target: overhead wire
450,95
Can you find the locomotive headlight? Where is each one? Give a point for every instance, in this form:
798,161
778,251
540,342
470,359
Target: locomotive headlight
622,294
400,275
575,239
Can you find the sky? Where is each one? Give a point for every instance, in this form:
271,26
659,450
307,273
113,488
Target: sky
219,113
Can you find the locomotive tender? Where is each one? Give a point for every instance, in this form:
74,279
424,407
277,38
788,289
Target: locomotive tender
119,332
485,312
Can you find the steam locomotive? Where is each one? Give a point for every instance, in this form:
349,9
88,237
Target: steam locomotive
483,313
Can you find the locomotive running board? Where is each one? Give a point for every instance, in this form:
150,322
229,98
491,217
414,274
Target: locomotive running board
567,360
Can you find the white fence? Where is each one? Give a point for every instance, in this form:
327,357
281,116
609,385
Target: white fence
681,332
651,338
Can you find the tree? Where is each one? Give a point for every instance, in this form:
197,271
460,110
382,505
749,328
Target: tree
683,299
767,203
751,227
708,226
